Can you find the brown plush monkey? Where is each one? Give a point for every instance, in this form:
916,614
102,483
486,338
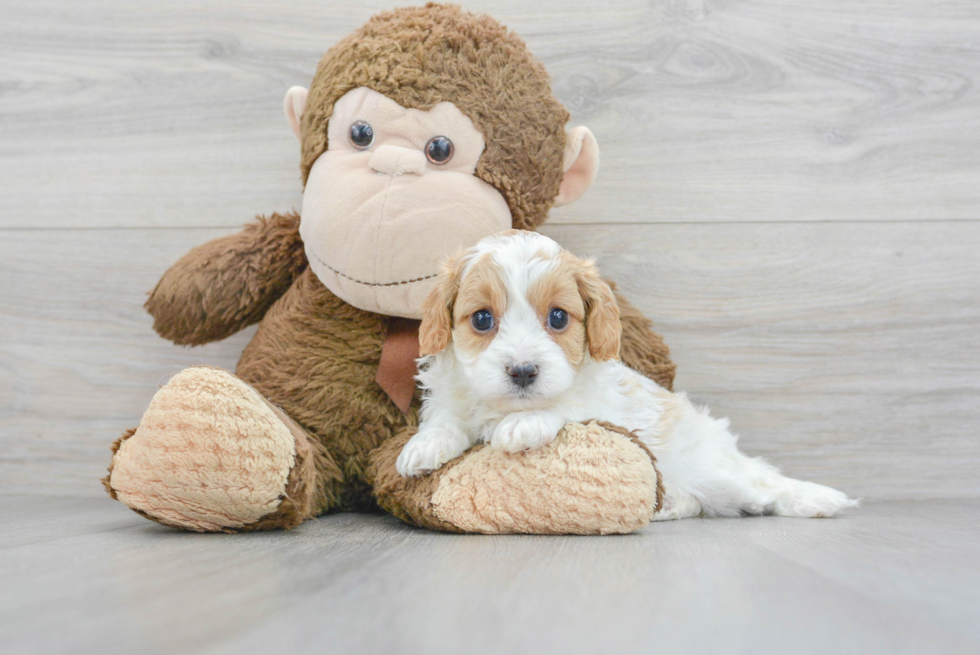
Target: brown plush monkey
424,131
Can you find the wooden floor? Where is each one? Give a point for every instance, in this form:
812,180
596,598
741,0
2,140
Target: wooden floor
88,576
790,189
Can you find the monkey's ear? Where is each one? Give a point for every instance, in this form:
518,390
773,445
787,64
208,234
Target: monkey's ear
580,165
293,105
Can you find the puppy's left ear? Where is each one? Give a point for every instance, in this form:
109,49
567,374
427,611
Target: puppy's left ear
436,330
602,326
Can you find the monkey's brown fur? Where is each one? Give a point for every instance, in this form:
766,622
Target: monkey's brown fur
315,357
206,300
422,56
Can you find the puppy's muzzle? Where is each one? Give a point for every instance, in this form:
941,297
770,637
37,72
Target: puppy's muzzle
522,374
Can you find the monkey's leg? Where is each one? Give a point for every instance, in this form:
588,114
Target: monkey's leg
592,479
211,454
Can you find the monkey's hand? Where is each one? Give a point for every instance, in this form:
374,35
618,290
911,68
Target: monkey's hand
229,283
641,348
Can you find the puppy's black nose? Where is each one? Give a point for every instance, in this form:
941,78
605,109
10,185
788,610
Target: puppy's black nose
522,374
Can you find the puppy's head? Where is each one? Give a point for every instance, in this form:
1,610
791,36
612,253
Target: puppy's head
522,316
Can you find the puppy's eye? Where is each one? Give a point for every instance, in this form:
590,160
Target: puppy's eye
439,150
361,135
482,321
558,319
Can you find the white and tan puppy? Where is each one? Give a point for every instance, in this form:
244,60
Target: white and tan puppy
520,337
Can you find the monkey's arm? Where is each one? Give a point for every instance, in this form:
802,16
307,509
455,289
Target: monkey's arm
227,284
641,348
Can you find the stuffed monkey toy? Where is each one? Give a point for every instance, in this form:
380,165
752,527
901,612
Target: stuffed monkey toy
422,132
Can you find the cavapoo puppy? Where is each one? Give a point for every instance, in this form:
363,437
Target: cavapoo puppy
520,337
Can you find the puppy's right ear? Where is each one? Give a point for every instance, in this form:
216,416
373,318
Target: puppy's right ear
436,330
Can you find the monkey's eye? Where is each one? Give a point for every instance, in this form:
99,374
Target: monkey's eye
361,135
482,321
558,319
439,150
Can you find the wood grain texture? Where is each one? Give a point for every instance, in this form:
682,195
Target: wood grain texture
788,189
169,113
80,360
846,353
889,578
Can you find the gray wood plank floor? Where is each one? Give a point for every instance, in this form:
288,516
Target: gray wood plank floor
168,112
845,354
86,575
788,188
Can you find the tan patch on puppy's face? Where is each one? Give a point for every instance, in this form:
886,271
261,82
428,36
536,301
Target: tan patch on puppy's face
575,286
482,288
559,289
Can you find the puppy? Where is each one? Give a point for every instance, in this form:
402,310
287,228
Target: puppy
520,338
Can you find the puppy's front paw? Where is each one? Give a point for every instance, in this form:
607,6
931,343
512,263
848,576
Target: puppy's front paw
525,431
429,449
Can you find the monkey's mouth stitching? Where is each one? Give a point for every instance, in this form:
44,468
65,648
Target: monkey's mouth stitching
371,284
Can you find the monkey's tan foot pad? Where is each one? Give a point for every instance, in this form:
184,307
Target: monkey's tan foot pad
593,479
210,454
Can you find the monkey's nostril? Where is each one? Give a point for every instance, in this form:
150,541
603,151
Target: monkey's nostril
396,160
522,374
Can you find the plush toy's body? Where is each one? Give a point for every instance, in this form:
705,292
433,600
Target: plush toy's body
307,423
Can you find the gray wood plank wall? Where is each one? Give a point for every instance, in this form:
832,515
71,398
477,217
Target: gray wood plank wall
791,190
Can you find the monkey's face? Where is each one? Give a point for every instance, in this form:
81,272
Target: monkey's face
393,196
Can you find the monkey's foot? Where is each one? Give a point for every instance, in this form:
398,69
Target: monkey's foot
592,479
211,454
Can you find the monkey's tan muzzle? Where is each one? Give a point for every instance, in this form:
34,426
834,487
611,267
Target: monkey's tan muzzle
396,160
